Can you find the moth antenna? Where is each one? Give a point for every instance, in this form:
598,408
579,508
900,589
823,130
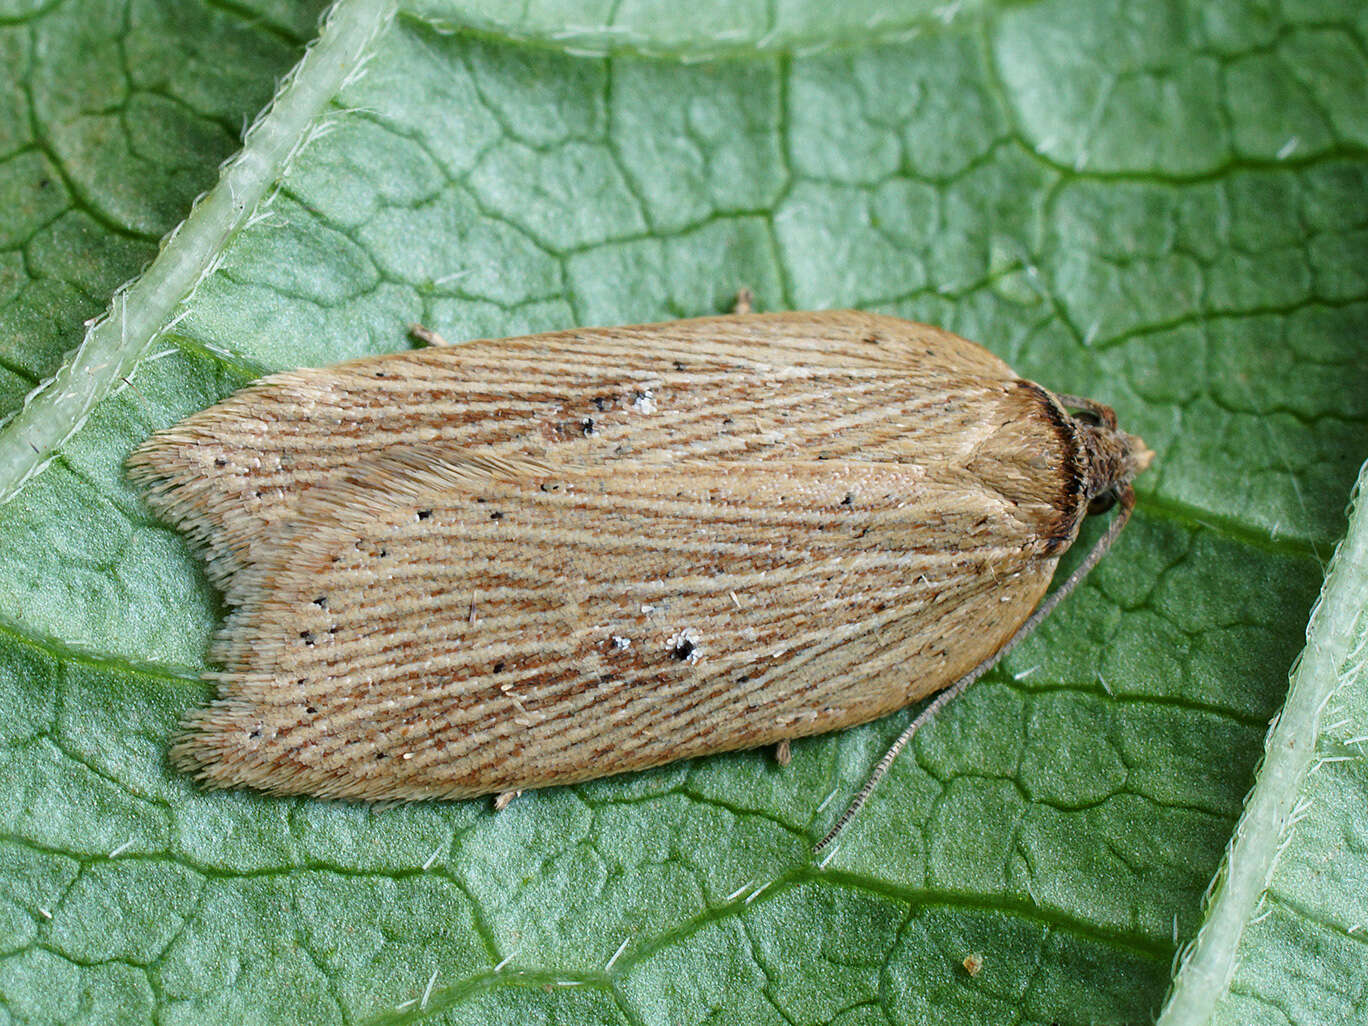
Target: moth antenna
1125,504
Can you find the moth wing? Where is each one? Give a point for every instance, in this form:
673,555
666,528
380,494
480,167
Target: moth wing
841,339
443,625
796,385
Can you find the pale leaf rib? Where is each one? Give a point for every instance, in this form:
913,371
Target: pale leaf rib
142,309
1266,826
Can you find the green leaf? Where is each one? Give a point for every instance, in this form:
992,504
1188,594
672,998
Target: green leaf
706,28
1159,206
1283,933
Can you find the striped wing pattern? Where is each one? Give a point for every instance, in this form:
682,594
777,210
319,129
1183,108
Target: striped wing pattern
494,601
845,384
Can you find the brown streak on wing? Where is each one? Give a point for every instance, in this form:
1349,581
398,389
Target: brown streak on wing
841,384
860,586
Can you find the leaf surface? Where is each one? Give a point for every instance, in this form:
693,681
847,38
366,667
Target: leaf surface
1161,207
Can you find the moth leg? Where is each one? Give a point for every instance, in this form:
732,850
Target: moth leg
744,297
427,336
782,754
503,798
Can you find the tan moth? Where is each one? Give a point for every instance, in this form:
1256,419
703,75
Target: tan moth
515,563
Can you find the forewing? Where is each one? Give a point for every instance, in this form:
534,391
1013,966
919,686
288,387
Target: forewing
444,625
842,385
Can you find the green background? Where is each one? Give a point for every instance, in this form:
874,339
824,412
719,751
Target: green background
1161,205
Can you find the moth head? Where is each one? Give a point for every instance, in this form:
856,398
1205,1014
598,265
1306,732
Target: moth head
1112,457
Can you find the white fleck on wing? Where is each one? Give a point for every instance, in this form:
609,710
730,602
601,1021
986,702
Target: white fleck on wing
438,624
840,384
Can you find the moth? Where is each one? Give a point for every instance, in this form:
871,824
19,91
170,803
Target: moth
515,563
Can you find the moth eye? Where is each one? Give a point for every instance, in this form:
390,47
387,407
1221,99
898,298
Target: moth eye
1096,416
1103,502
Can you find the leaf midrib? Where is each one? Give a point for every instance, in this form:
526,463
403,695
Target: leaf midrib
145,308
